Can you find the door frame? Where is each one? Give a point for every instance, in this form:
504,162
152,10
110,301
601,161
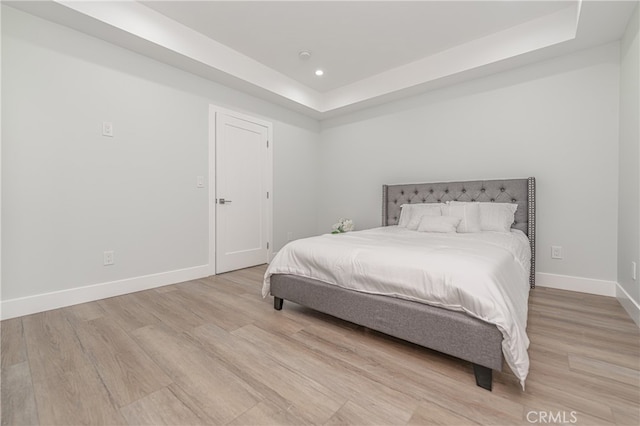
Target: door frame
213,111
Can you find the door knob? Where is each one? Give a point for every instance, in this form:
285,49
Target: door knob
223,201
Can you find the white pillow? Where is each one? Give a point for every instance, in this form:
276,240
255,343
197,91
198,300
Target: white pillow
444,224
405,215
469,213
411,211
497,216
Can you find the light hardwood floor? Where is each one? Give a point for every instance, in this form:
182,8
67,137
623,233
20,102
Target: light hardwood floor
212,351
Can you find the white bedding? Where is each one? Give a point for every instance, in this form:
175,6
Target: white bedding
484,274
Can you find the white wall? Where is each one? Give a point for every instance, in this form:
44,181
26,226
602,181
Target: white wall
556,120
68,193
629,203
0,162
296,180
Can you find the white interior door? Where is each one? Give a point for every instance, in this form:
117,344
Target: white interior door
241,193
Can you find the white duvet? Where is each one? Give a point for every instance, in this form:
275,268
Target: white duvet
484,274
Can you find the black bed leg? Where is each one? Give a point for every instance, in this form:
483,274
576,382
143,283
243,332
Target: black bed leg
483,376
277,303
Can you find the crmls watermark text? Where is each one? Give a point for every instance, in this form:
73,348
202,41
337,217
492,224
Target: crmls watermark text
552,417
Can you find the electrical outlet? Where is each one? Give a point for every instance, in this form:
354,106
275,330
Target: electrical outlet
556,252
107,129
109,258
634,270
289,236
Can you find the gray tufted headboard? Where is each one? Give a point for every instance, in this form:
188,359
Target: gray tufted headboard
519,191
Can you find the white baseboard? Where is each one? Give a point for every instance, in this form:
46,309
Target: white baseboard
579,284
629,305
44,302
58,299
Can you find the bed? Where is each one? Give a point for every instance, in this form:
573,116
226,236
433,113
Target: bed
451,332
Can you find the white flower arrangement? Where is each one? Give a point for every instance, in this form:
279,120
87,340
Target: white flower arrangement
343,225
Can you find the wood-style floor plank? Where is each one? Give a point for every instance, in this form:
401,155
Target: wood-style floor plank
168,310
12,342
436,415
127,312
125,369
218,392
266,414
241,311
211,310
353,414
627,415
381,402
213,351
569,344
18,403
604,369
67,387
86,311
395,366
52,345
161,407
273,379
558,374
572,400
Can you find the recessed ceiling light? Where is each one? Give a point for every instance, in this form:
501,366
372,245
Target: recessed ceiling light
304,55
319,73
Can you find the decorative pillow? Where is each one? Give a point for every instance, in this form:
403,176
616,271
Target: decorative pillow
411,211
444,224
469,213
497,216
415,221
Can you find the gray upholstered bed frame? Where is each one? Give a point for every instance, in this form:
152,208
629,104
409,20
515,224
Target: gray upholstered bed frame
449,332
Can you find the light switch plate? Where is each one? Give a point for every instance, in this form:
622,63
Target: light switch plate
107,129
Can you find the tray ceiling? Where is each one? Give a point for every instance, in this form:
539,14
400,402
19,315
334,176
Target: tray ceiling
370,52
